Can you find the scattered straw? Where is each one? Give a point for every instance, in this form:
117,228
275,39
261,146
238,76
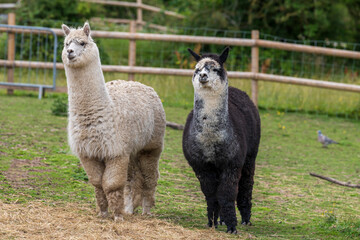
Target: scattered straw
37,220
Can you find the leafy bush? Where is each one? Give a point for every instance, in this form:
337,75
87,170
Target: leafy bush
60,106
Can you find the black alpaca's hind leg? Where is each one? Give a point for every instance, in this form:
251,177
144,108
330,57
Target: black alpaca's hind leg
244,197
216,214
222,221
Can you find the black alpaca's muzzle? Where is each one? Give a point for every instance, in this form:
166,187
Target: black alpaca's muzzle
203,78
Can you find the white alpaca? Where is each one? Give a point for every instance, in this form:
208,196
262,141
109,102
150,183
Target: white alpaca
116,129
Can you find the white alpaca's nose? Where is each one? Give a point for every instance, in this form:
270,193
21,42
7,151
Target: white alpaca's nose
71,54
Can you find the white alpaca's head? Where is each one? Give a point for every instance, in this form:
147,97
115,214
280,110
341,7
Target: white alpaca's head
79,48
210,75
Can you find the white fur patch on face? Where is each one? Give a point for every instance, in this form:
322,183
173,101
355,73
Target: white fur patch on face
203,61
214,85
75,48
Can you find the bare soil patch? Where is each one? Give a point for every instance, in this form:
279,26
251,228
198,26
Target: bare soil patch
37,220
18,173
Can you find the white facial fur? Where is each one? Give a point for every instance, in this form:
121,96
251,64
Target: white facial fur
77,47
74,48
214,85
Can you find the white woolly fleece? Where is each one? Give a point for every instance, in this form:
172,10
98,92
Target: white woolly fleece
112,119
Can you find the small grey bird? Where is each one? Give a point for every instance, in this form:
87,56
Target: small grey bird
325,140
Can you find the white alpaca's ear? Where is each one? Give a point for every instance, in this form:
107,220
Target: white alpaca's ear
66,29
86,29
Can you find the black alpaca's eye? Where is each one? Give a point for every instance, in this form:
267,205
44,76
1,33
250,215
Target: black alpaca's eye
216,70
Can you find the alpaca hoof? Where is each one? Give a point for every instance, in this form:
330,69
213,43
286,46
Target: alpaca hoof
146,210
231,230
128,212
146,206
118,218
246,223
208,225
147,214
103,214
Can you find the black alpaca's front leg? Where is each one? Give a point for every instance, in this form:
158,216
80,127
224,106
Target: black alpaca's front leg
212,211
216,214
209,185
226,194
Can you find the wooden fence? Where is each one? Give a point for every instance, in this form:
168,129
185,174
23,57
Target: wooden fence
255,43
139,13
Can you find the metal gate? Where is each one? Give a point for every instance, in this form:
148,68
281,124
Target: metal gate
23,49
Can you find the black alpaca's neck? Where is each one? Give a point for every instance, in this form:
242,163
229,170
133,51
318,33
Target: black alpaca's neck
211,110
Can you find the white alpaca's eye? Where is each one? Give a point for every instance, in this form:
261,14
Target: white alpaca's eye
82,44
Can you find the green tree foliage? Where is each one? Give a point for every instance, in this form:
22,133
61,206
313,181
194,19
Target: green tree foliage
33,12
308,19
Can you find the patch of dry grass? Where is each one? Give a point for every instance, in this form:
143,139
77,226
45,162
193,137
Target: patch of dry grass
38,220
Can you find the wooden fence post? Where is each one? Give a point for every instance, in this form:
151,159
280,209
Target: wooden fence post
132,50
11,52
139,15
254,66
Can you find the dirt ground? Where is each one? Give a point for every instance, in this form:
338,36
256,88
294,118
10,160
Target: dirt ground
18,173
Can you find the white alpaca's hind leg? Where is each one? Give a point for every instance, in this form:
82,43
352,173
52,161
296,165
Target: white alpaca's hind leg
128,201
146,206
149,166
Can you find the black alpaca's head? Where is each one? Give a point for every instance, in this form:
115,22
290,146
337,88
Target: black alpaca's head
210,73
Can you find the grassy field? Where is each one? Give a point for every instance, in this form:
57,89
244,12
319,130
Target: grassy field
178,91
39,176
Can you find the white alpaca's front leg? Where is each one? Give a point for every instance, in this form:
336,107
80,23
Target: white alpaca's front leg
114,182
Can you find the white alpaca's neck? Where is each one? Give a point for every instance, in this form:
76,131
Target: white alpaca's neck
86,85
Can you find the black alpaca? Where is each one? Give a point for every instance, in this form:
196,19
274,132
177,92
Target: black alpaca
221,140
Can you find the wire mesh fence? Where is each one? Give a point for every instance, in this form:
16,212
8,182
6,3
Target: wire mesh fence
30,47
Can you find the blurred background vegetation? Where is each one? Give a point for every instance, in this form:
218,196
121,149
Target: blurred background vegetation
308,19
326,23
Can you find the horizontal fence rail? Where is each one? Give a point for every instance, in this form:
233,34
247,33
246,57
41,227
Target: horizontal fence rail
215,40
135,5
253,43
190,72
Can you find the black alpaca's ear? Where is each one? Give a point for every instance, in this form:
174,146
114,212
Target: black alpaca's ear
194,54
224,55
